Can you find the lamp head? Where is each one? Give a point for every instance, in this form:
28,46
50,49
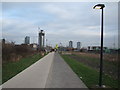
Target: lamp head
99,6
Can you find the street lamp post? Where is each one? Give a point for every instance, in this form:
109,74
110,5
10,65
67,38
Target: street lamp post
101,6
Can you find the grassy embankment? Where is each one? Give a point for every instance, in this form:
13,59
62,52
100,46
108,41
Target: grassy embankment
109,67
96,60
11,69
89,75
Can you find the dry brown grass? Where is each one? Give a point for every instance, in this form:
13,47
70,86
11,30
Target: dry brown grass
110,63
12,52
108,57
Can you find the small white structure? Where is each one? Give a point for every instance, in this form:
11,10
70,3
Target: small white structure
92,48
34,46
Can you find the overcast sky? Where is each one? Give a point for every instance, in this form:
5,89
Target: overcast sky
62,22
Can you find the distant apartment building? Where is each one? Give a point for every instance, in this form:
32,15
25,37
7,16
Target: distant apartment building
78,45
27,40
92,48
70,44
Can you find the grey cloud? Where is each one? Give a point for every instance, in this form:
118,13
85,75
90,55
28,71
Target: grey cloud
61,21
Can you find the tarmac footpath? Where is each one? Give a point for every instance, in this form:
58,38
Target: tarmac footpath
49,72
34,76
62,76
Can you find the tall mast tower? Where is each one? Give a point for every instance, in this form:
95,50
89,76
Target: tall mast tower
41,39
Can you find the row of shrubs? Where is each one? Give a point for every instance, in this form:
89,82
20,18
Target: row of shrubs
12,52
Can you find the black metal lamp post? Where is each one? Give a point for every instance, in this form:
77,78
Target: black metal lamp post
101,6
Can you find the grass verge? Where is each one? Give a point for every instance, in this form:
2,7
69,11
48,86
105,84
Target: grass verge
89,75
110,67
11,69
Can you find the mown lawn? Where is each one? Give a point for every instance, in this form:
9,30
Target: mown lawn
10,69
89,75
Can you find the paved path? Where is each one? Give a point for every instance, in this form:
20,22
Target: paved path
49,72
61,75
34,76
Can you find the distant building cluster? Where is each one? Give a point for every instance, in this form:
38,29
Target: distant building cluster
95,49
71,46
41,41
91,48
